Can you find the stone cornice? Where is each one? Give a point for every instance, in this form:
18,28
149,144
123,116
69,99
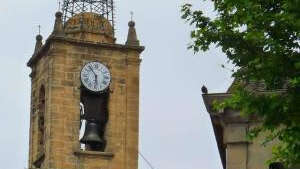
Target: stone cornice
51,39
94,153
226,115
209,99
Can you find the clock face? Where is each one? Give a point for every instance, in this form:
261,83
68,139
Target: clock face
95,76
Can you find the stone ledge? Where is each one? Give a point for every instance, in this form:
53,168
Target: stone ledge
238,143
35,57
94,153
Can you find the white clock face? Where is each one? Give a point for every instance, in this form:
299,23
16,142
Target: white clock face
95,76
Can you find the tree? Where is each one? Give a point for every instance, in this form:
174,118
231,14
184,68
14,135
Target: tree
262,39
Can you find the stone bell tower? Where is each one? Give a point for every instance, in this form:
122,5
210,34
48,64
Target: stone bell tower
83,38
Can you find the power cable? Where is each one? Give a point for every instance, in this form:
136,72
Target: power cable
147,161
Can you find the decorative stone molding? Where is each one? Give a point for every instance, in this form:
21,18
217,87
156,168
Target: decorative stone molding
94,153
46,46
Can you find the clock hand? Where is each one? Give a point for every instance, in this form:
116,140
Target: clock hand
96,77
92,70
96,81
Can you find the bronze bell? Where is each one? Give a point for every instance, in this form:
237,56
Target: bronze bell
91,136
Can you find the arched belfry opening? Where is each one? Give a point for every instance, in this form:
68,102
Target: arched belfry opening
41,127
41,120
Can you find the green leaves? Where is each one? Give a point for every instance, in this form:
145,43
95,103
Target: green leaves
297,65
262,38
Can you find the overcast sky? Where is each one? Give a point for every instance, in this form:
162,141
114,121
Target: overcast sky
175,129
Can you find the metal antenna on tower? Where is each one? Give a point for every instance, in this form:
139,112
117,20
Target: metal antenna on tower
39,26
104,8
59,5
131,13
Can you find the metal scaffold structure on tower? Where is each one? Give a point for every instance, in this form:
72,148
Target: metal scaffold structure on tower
105,8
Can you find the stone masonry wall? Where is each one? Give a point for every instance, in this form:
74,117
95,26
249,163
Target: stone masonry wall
40,77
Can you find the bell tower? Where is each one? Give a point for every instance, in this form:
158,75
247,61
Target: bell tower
85,92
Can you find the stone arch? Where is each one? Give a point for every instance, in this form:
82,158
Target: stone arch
41,119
